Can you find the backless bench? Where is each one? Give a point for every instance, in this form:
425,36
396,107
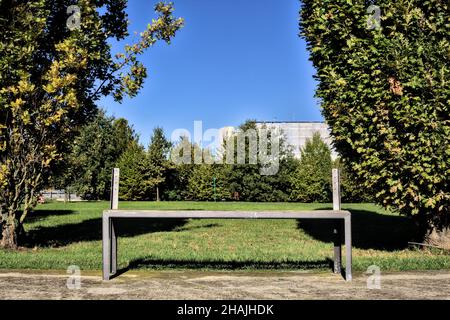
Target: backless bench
109,227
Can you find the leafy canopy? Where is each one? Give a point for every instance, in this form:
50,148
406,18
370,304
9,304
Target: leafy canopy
51,77
385,93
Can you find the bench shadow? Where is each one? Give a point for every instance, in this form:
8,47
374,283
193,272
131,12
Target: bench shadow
40,215
210,225
149,263
370,230
91,230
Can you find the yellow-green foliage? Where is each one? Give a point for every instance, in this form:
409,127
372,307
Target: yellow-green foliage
51,78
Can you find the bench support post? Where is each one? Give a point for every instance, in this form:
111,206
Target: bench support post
114,196
106,246
337,230
337,235
348,248
109,231
112,223
109,242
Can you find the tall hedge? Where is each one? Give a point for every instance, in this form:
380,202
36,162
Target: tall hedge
385,94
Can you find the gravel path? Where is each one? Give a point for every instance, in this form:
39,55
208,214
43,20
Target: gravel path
221,285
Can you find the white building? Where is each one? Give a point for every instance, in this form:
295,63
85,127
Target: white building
297,132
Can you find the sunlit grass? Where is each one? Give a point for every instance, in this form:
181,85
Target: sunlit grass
70,234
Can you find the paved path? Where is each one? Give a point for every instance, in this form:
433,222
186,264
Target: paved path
225,285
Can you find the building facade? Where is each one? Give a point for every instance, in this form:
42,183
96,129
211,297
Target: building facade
298,132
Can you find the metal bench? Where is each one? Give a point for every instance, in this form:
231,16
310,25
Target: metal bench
109,227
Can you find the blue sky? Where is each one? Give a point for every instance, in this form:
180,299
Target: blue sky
234,60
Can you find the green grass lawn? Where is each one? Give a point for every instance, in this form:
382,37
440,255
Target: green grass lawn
61,234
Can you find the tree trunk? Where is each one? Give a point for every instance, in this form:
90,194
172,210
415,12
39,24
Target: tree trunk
157,194
434,229
439,238
10,232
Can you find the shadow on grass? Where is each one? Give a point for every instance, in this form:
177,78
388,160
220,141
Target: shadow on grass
148,263
91,230
40,215
210,225
370,230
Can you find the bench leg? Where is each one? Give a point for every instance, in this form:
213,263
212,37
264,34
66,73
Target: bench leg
337,233
348,248
113,247
106,247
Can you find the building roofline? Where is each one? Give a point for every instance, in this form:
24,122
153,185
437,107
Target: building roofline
290,121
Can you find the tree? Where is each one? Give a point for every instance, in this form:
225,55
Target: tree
124,135
136,182
311,182
95,153
385,93
182,160
158,156
351,190
246,179
53,69
208,182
